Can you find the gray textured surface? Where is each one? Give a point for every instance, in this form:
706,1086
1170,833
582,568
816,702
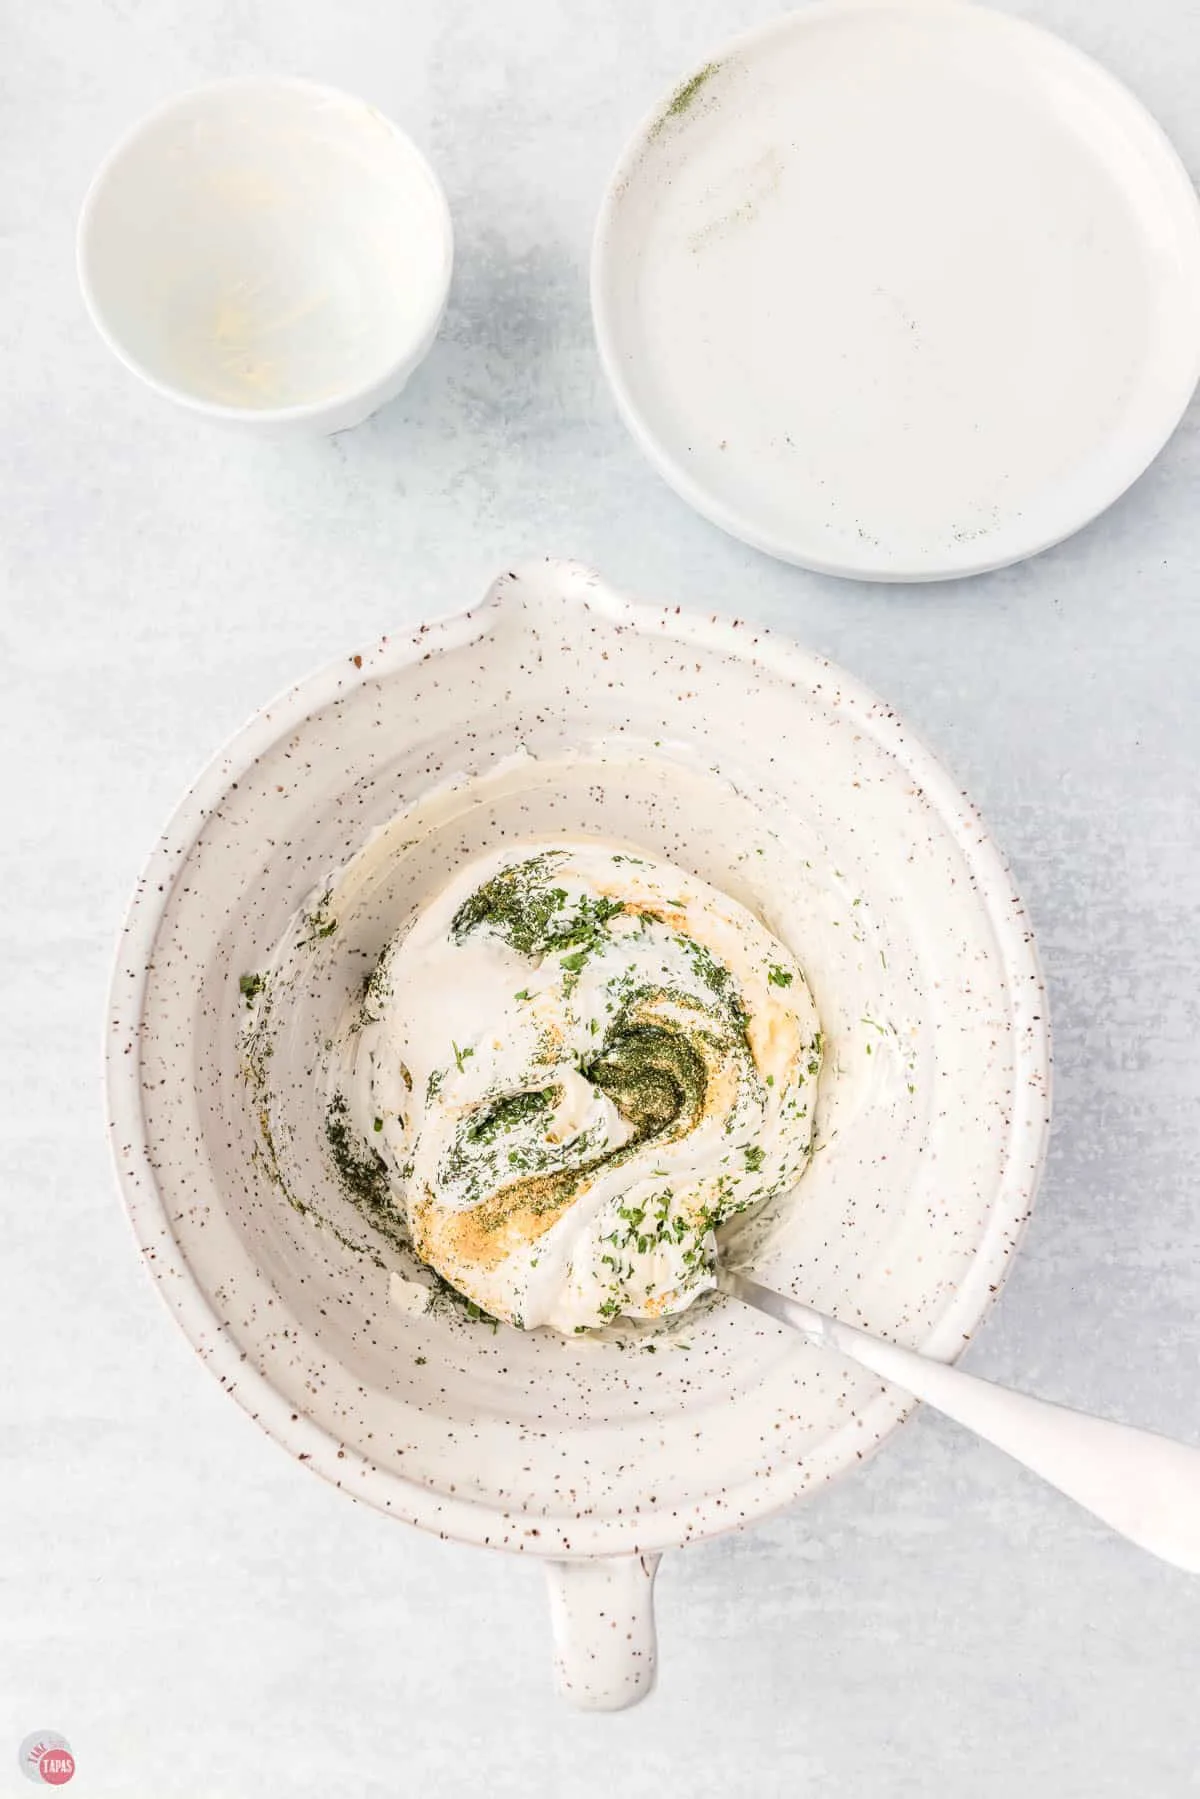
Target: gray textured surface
194,1613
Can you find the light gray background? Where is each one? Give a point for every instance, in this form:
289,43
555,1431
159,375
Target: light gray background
196,1614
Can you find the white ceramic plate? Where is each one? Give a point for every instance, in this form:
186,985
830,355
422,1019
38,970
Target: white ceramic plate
900,289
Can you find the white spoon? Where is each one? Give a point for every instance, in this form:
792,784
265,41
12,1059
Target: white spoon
1143,1485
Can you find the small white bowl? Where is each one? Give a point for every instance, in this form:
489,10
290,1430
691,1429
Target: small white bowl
269,252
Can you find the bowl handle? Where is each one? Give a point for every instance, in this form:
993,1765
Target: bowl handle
602,1616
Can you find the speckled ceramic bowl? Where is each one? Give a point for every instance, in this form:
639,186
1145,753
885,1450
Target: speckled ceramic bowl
769,773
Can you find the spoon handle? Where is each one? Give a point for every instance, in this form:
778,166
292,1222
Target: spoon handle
1145,1486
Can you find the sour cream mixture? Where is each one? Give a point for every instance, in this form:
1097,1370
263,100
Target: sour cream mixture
575,1064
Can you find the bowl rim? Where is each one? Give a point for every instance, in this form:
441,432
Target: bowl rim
340,1463
305,410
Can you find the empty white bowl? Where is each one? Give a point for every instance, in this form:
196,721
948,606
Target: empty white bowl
269,252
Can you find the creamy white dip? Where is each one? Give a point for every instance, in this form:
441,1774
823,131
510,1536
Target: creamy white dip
576,1062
